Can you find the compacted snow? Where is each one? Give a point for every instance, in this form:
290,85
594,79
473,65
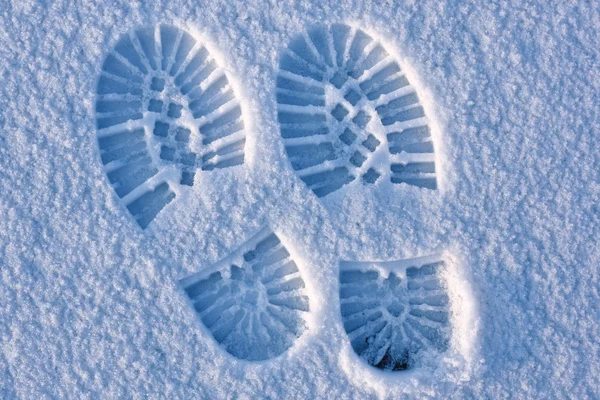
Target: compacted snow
299,199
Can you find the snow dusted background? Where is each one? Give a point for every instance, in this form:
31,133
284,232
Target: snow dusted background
89,303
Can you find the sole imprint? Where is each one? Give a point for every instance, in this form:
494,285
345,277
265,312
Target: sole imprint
164,111
395,311
347,113
253,302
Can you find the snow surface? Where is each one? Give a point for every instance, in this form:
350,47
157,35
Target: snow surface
90,304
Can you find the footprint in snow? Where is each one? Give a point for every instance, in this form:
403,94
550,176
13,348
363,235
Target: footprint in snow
164,111
253,302
348,114
395,312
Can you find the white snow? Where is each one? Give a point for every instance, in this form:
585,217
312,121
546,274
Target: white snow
90,305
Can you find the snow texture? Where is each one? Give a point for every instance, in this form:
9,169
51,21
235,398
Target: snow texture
92,304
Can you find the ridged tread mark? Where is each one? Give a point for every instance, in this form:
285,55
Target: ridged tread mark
391,319
344,102
153,82
254,303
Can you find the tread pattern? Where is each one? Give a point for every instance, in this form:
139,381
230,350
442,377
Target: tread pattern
347,113
392,312
254,302
164,111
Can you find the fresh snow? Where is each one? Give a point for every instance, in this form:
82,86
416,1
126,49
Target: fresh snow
94,306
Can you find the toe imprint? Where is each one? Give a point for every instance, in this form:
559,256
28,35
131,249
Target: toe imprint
348,114
164,111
